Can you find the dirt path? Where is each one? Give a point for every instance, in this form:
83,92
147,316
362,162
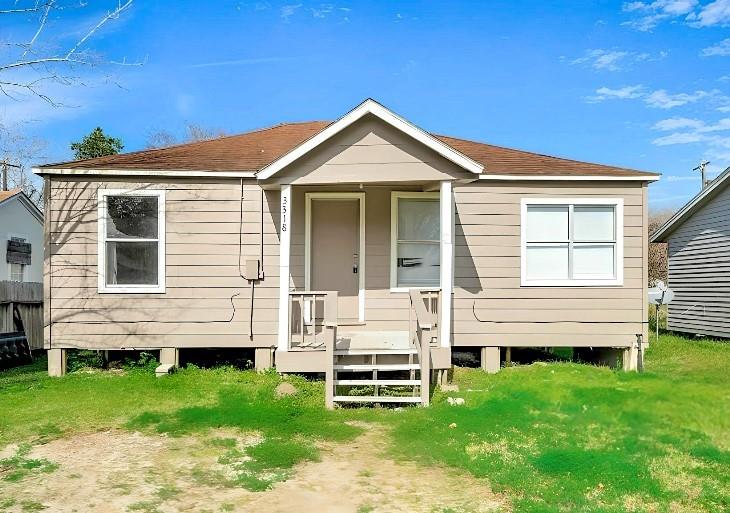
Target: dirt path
117,471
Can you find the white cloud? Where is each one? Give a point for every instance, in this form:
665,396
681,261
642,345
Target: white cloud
623,93
650,14
614,60
678,138
714,13
647,15
662,100
670,124
721,49
602,59
287,11
659,99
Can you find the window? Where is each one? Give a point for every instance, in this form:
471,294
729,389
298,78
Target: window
572,242
415,240
131,241
17,272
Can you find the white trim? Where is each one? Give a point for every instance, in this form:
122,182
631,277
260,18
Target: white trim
284,255
618,280
446,199
101,240
360,197
144,172
674,222
394,196
579,178
370,106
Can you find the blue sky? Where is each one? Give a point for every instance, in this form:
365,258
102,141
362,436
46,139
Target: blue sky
644,85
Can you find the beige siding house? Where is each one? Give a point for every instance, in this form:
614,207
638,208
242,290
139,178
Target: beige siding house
364,245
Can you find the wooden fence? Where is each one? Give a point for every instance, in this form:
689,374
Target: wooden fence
22,304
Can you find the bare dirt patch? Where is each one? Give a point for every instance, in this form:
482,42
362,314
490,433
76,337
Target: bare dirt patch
118,471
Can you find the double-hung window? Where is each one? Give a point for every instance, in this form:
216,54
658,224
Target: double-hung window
572,242
415,240
131,241
17,270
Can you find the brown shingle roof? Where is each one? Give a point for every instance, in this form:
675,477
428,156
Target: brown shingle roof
254,150
8,194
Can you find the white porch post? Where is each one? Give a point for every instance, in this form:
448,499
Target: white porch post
447,261
284,249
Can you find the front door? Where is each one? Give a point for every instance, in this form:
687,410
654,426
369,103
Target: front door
335,251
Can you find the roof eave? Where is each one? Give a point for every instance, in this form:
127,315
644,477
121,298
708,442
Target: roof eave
586,177
690,207
177,173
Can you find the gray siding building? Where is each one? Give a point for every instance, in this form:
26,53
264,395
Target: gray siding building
698,247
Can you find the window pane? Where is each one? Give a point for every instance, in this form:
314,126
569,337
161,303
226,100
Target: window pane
17,272
418,264
592,223
547,223
131,217
418,219
131,263
594,261
547,262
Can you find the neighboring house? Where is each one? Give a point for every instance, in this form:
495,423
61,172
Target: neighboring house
21,238
21,266
698,261
499,247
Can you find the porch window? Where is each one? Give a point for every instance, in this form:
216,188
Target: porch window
572,242
131,241
415,240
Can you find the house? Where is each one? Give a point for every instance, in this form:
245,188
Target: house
21,266
698,261
394,245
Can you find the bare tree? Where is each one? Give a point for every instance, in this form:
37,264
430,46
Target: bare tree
28,65
193,133
20,150
658,250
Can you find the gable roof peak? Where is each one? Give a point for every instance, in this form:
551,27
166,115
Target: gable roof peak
370,106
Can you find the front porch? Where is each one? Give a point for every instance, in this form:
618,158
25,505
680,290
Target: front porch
368,297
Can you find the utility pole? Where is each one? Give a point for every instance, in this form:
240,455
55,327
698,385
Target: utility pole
701,169
6,165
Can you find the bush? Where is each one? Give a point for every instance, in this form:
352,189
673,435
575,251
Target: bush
84,359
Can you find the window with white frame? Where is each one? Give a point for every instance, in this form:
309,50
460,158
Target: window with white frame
131,241
572,242
17,271
415,240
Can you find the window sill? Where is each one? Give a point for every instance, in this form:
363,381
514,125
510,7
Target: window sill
571,283
132,290
408,289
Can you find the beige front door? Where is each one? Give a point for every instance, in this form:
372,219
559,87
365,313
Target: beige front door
334,251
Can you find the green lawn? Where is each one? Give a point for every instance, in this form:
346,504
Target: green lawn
555,437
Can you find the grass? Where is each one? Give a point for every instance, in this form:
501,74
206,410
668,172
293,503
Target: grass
568,437
553,438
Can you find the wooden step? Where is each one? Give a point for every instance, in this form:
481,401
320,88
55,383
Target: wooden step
384,382
379,367
375,399
368,352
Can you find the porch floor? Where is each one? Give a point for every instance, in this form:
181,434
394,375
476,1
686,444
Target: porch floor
377,340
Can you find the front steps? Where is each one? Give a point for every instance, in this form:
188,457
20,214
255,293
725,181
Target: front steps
375,376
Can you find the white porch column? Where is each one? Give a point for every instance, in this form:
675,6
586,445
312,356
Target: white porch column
284,248
447,261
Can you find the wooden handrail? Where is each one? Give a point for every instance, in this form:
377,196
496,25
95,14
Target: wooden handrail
423,345
311,316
